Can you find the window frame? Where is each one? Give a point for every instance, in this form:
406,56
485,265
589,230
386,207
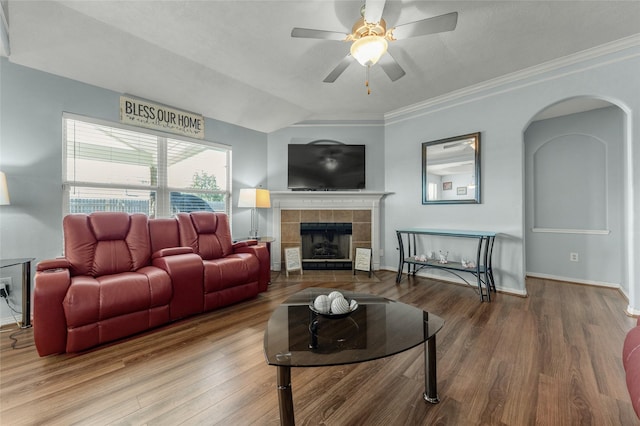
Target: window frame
162,190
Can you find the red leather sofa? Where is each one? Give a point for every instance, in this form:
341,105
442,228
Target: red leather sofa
122,274
631,363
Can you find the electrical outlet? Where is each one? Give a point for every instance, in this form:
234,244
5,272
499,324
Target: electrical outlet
5,284
573,257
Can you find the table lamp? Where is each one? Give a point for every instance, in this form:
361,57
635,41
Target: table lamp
254,198
4,191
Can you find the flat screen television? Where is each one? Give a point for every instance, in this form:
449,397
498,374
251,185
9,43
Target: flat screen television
316,167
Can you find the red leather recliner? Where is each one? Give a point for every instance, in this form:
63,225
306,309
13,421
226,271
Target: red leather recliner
123,274
232,272
104,288
631,363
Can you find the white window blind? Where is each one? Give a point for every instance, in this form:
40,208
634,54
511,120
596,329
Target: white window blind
110,168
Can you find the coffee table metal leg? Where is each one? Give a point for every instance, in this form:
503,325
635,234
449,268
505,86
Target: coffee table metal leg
430,382
285,397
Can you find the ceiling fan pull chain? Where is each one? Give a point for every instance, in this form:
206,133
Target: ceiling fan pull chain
366,81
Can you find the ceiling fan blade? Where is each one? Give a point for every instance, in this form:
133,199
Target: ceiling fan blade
391,67
373,10
437,24
321,34
339,69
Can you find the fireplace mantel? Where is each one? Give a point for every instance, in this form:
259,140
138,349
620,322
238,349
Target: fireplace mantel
326,200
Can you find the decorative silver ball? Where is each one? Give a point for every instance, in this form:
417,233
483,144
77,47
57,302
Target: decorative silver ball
334,295
322,304
340,306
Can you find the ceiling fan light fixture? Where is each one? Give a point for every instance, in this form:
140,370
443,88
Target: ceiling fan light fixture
369,49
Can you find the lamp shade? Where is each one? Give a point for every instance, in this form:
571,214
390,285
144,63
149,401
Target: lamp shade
369,49
254,197
4,190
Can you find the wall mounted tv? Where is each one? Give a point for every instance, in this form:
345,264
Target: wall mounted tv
326,167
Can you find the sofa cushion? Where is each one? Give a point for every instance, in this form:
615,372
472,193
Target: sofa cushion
105,243
230,271
208,233
631,363
163,234
91,300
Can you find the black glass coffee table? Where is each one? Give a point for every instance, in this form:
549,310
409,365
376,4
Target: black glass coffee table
296,336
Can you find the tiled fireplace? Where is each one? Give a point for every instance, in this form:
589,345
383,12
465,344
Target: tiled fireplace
361,210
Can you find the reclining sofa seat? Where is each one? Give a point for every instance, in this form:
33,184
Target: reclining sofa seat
104,288
631,364
232,272
124,273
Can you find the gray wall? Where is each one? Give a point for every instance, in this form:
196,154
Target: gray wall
574,197
502,111
369,134
31,107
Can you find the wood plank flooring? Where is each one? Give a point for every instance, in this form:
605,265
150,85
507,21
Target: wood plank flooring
553,358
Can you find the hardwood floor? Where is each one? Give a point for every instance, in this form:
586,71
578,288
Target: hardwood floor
553,358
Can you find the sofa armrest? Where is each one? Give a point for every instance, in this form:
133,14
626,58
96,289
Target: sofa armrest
171,251
261,252
52,281
186,271
239,244
631,364
51,264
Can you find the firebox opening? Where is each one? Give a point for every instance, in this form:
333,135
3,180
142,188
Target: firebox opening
326,245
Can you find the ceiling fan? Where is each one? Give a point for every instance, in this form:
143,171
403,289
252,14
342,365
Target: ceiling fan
370,38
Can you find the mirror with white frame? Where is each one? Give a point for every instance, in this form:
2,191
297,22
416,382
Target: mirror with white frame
451,170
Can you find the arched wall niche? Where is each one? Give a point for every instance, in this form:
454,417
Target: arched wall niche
575,184
570,198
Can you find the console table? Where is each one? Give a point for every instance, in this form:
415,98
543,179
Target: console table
482,269
26,285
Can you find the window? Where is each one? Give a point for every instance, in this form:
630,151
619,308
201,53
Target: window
433,191
108,168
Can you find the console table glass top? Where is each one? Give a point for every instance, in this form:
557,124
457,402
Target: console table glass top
449,232
297,337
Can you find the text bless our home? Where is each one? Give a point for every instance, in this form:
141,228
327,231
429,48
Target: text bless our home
159,117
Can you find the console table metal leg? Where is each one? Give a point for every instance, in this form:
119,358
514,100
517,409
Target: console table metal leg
285,396
430,376
478,268
26,294
401,260
487,267
490,242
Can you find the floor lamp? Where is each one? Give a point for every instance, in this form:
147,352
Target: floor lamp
255,198
4,190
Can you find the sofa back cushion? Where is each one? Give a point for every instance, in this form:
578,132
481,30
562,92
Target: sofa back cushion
105,243
207,233
163,234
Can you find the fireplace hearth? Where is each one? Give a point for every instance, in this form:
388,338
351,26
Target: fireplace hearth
326,245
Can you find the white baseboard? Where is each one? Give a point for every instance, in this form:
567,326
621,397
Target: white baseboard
632,312
9,320
573,280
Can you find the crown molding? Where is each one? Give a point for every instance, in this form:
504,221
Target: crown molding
553,65
339,123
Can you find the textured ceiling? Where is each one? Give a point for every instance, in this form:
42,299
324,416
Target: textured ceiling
235,61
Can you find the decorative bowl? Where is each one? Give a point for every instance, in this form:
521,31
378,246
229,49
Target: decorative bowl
353,305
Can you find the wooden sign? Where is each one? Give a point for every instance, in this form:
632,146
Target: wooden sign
292,260
141,113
